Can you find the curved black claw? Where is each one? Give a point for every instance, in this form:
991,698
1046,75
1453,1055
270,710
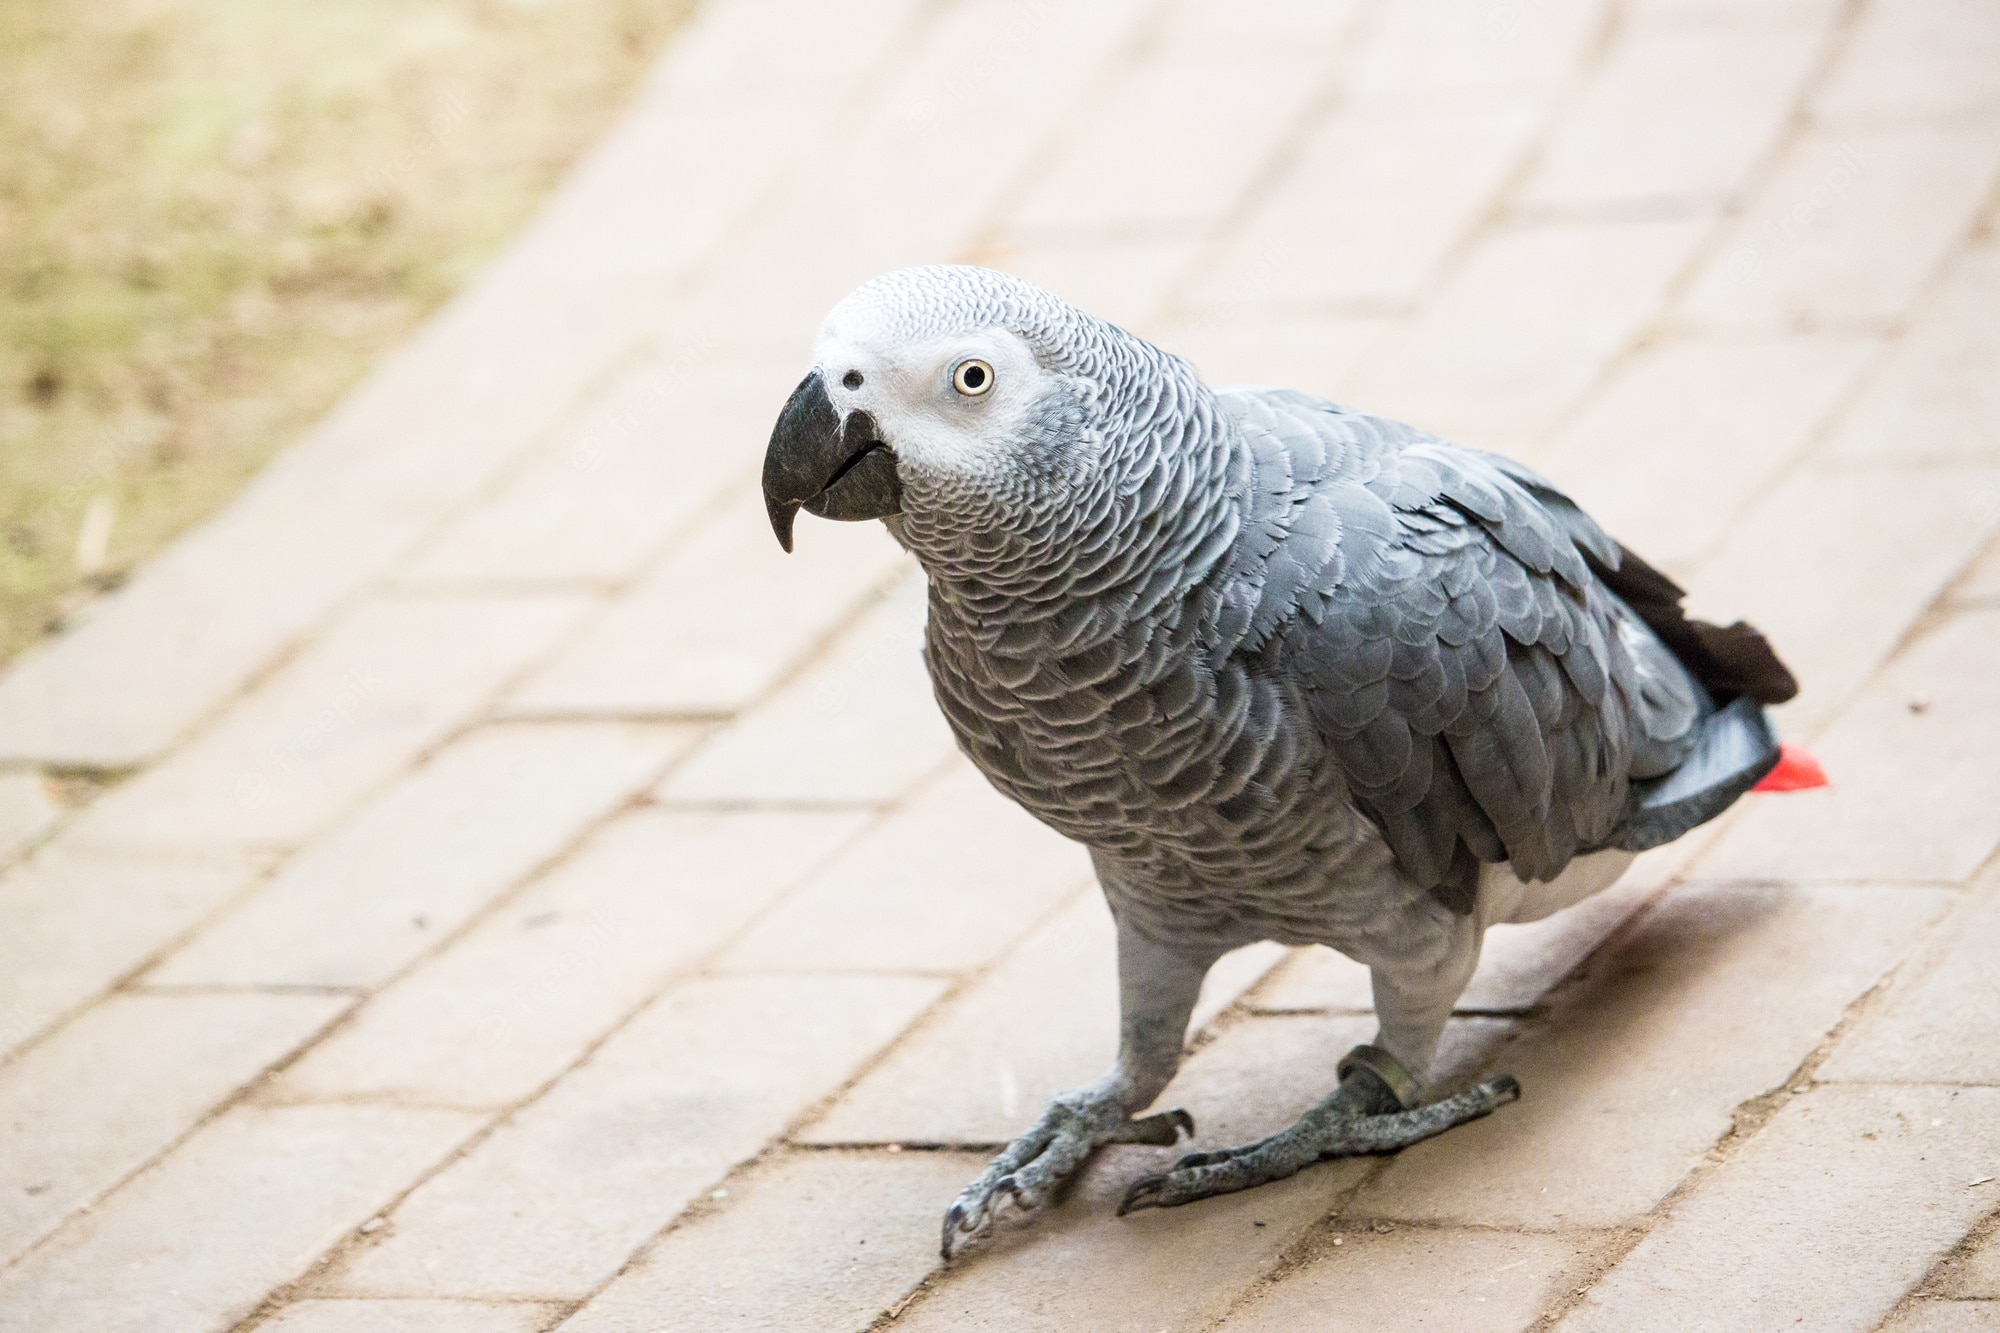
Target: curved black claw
1148,1191
1329,1130
1027,1174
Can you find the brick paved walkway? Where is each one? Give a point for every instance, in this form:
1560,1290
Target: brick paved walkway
531,901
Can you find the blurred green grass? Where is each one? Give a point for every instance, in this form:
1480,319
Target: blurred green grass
214,214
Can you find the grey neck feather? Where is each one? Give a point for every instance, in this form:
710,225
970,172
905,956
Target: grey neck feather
1125,495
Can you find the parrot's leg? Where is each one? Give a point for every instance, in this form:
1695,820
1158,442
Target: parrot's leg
1157,987
1374,1110
1362,1116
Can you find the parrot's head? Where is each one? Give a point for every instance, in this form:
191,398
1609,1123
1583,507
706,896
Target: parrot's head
960,403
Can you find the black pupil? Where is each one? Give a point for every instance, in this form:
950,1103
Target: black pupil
975,377
852,379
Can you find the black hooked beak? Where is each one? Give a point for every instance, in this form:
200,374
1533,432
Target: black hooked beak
816,464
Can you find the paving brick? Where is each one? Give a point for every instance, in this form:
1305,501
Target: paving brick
1849,228
1754,11
1945,1317
726,54
102,1097
1180,1268
1692,431
1523,327
1308,353
673,437
182,637
1936,1022
858,726
1422,47
1124,281
1789,1229
944,884
1678,109
1975,1273
26,812
748,95
416,1316
983,1067
1714,998
442,415
1201,25
659,196
77,924
980,73
1440,1281
830,1238
1518,965
393,678
1836,566
506,1008
195,1241
558,1198
1428,170
1913,791
1939,395
744,94
1923,57
1316,980
1980,584
1233,975
424,432
426,855
719,621
1178,138
1044,1020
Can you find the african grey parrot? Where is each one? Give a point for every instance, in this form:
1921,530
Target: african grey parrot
1289,671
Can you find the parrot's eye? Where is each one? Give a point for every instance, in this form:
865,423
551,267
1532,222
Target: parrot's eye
972,377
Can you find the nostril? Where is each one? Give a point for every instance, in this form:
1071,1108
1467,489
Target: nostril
852,379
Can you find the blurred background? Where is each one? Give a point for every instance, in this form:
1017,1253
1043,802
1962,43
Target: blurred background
456,873
216,215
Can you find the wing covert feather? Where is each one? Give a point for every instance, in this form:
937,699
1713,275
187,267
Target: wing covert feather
1484,694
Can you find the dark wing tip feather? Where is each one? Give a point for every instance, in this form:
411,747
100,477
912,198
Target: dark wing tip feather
1745,663
1731,661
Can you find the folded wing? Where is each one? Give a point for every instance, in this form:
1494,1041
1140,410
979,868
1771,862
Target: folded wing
1458,628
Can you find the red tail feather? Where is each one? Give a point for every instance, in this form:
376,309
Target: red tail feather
1797,770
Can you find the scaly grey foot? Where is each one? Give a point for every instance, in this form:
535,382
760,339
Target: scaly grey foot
1364,1115
1026,1175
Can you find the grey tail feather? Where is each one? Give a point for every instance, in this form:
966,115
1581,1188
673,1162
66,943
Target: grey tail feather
1737,748
1730,661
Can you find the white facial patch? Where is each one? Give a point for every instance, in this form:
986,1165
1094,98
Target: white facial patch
913,391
